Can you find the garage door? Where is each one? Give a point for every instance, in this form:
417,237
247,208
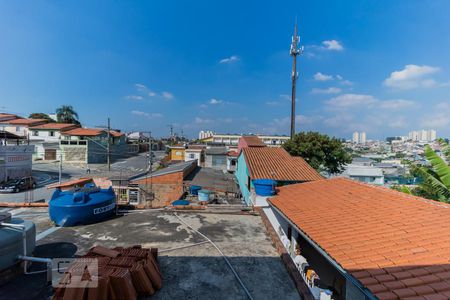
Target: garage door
50,154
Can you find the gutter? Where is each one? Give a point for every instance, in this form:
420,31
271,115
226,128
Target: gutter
341,270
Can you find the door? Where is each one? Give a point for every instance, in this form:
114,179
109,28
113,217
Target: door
50,154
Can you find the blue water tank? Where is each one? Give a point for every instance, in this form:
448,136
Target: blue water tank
264,187
203,195
84,206
193,189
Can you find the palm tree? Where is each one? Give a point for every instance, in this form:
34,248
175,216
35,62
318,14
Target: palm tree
67,114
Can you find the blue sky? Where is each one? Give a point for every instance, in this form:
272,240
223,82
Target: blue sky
378,66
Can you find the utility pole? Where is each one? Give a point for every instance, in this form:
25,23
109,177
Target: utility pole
108,147
60,167
149,162
295,50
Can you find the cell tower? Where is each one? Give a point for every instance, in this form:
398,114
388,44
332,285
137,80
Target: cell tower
295,50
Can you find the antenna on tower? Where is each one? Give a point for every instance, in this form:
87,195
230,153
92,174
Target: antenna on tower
171,130
294,51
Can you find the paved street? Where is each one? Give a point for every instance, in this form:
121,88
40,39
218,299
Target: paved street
47,173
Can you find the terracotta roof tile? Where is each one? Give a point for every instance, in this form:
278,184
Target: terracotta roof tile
115,133
84,131
24,121
55,126
380,236
277,164
252,141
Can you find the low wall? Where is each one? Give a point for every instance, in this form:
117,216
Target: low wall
300,284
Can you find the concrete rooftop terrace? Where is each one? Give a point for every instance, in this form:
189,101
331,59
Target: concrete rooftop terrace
197,272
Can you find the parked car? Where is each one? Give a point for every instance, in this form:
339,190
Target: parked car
17,185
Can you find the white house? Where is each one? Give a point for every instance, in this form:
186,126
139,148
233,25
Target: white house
367,174
195,153
20,126
46,138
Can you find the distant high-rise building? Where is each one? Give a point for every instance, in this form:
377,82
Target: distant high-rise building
423,135
362,137
359,137
355,138
205,134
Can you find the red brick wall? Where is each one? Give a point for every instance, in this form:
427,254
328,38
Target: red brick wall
166,188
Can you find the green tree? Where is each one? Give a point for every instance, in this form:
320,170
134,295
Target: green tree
41,116
436,178
67,114
322,152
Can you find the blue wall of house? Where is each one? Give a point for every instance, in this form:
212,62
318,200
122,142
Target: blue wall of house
242,176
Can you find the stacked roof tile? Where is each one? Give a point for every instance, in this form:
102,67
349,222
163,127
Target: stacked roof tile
396,245
123,273
277,164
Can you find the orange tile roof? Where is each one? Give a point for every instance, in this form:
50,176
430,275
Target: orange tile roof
2,115
395,244
253,141
70,183
23,121
232,154
84,131
56,126
115,133
277,164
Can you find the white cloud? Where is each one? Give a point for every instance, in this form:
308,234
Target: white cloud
351,100
229,60
199,120
437,120
134,97
151,94
412,76
145,114
398,123
167,95
332,45
322,77
140,87
397,104
214,101
330,90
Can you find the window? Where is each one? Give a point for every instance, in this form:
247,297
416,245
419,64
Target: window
52,133
192,156
35,133
248,183
233,162
17,128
